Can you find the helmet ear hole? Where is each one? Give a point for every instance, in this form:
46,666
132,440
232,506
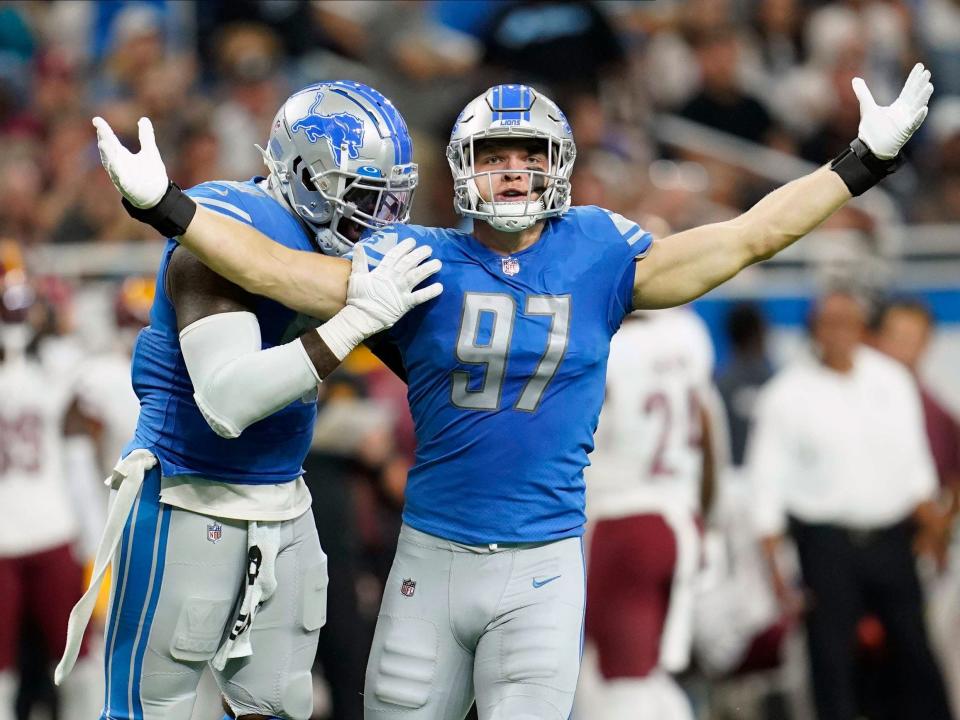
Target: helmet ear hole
307,180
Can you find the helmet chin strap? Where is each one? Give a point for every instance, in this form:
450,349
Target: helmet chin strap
510,216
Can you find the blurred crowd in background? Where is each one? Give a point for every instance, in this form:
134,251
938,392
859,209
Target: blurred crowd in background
212,74
645,85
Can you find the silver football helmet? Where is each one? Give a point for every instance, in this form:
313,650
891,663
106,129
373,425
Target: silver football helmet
341,155
512,112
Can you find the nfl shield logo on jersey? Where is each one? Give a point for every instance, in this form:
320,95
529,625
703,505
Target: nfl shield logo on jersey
408,587
509,265
214,532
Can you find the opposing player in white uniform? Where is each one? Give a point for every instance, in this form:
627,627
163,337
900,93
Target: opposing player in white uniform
644,495
40,576
505,381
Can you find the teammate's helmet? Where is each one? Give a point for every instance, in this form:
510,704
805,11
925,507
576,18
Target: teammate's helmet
342,156
512,112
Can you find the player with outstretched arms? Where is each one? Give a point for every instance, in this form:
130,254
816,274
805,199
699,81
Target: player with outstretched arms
506,378
210,497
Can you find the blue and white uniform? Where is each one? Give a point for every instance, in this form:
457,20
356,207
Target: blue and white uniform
506,373
184,549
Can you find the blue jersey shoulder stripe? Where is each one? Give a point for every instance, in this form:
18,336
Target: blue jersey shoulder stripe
230,208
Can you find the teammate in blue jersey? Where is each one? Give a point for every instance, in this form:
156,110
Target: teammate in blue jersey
211,498
505,373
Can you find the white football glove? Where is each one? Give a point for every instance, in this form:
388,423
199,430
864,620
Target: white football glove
886,129
377,298
141,178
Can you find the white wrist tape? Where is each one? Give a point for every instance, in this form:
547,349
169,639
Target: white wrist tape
344,331
235,382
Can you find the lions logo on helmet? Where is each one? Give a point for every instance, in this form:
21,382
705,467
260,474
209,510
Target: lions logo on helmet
512,112
341,155
343,131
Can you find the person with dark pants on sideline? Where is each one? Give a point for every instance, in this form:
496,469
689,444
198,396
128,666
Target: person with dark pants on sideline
838,456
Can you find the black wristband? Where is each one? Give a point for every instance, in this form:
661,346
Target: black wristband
169,217
860,169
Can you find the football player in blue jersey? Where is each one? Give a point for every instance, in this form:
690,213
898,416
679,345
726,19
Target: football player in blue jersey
210,495
506,378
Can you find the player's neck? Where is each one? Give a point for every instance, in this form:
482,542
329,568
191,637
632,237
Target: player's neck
507,243
838,362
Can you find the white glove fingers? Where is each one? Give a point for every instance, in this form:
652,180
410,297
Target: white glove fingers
414,258
925,94
418,274
148,140
393,255
864,96
107,142
420,296
359,263
918,119
915,78
914,91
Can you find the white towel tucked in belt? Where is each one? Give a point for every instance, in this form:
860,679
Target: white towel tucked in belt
263,544
127,476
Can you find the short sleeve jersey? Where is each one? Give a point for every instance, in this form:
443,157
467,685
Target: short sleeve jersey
506,374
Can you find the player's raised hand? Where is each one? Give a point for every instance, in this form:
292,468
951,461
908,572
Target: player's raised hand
886,128
386,293
141,178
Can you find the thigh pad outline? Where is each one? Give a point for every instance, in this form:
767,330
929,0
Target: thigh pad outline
530,646
408,662
314,609
200,629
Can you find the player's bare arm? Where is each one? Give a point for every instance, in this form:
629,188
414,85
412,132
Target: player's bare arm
684,266
310,283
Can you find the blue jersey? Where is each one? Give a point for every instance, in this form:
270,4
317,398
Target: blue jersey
170,424
506,372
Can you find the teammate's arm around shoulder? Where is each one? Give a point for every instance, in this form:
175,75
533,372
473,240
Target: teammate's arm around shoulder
684,266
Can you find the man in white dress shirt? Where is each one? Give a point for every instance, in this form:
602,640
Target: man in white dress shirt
839,459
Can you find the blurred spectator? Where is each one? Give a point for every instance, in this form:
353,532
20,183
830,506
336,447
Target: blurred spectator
249,63
135,44
722,103
939,196
199,155
570,46
291,22
95,215
20,185
938,28
839,459
903,330
744,373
